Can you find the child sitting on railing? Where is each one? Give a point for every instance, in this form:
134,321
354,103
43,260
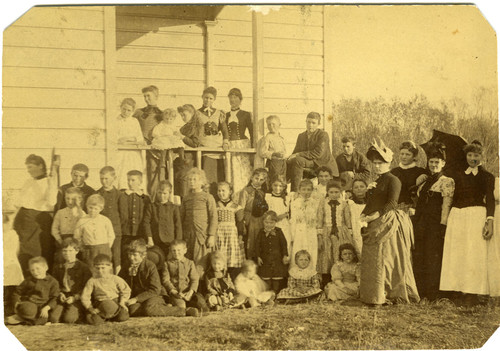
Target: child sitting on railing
165,134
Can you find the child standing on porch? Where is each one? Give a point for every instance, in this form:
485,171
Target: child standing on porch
199,219
128,133
271,150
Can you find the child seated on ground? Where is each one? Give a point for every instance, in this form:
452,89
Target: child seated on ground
94,231
165,133
345,275
181,279
272,252
105,295
251,290
220,288
36,297
271,150
72,275
79,173
162,220
303,280
143,278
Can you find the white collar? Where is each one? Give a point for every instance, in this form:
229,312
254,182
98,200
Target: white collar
138,192
474,170
411,165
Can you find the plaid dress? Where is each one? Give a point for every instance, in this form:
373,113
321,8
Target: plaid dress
227,233
302,283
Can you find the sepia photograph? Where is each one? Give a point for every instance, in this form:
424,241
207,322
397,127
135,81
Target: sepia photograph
250,177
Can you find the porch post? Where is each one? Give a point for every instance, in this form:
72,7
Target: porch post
258,75
209,49
110,80
327,73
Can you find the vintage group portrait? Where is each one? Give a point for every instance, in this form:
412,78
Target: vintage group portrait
231,176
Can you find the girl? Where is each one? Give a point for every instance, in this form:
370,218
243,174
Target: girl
165,134
229,239
252,199
435,195
129,133
303,219
220,288
33,221
470,226
272,253
279,202
303,281
333,228
356,206
386,270
239,122
324,176
251,290
408,173
199,219
345,275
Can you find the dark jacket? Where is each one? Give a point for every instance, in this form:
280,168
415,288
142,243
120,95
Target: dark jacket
133,221
61,201
42,292
237,132
475,190
359,165
384,197
115,207
317,149
163,222
77,277
271,249
146,283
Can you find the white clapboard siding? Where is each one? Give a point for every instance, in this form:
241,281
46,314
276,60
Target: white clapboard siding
293,66
184,56
239,13
53,91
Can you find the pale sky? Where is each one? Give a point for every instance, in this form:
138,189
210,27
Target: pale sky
439,51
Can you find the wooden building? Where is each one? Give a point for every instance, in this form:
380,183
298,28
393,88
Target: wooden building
66,69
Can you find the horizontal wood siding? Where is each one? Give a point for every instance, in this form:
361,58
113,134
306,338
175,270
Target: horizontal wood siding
293,67
53,92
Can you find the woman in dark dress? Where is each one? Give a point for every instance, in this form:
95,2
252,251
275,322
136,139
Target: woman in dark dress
386,269
408,173
435,196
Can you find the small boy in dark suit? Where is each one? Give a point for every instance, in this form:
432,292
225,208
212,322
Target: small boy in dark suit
79,173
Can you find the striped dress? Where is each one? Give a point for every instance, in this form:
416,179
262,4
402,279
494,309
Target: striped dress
227,233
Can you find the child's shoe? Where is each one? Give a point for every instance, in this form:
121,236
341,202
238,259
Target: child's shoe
192,312
13,320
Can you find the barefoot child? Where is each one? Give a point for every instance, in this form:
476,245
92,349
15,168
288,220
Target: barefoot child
220,288
251,290
72,275
345,275
199,219
105,295
94,231
79,173
115,208
252,199
181,280
272,252
303,280
229,229
36,297
162,220
146,289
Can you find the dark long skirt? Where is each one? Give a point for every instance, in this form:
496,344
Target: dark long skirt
33,228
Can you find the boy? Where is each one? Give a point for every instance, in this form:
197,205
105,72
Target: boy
351,163
79,173
65,220
94,231
137,205
324,176
142,276
115,208
148,118
312,150
272,148
108,292
181,280
72,276
162,220
36,296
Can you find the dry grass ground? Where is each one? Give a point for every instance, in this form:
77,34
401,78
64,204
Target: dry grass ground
309,326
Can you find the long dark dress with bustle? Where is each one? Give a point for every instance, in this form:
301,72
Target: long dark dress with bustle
429,234
408,178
